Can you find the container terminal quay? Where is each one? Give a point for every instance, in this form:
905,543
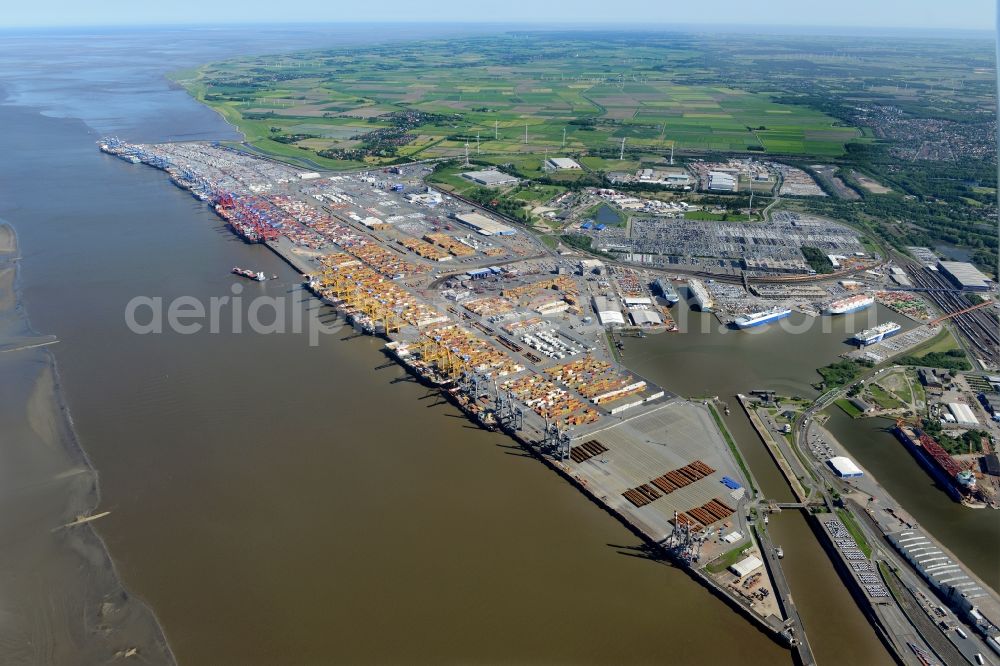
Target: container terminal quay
518,337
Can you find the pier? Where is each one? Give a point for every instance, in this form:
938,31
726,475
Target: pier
774,449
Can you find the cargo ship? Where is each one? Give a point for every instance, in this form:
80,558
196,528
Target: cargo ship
663,286
942,467
761,318
320,290
247,273
247,217
870,336
849,305
700,297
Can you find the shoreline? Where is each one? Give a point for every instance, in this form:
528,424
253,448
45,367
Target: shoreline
656,550
285,248
75,607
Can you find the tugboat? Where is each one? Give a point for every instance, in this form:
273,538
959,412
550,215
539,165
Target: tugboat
252,275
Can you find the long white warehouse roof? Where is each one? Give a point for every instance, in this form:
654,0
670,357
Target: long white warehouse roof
844,466
963,413
485,225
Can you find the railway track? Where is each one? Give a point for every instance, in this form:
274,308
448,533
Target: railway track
978,327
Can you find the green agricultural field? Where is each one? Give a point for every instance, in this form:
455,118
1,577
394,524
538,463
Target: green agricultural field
505,96
914,118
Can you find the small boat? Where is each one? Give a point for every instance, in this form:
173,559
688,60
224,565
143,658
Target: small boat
779,551
247,273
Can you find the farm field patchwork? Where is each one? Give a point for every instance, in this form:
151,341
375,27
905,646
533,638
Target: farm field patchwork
508,95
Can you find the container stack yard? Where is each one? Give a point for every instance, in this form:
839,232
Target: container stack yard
504,328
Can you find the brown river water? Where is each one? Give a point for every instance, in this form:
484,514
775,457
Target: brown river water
276,502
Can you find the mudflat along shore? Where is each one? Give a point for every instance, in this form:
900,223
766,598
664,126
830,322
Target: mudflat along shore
63,602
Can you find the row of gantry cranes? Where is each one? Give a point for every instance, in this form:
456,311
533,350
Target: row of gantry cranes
448,355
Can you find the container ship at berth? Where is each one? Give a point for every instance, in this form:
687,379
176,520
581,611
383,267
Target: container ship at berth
247,217
870,336
761,318
849,305
663,286
702,300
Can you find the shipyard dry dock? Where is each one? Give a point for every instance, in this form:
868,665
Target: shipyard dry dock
507,341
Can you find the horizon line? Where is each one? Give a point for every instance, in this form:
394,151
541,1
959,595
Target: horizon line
643,26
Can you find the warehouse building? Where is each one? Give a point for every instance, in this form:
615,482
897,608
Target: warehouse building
950,579
490,177
642,317
844,467
991,402
721,181
963,413
485,225
964,275
746,566
608,312
561,163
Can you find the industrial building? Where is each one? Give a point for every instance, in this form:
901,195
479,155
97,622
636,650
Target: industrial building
428,198
963,413
943,573
964,275
375,223
485,225
844,467
929,378
898,275
591,266
608,313
721,181
861,405
560,163
991,402
746,566
641,317
490,177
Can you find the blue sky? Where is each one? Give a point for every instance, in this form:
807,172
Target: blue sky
956,14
